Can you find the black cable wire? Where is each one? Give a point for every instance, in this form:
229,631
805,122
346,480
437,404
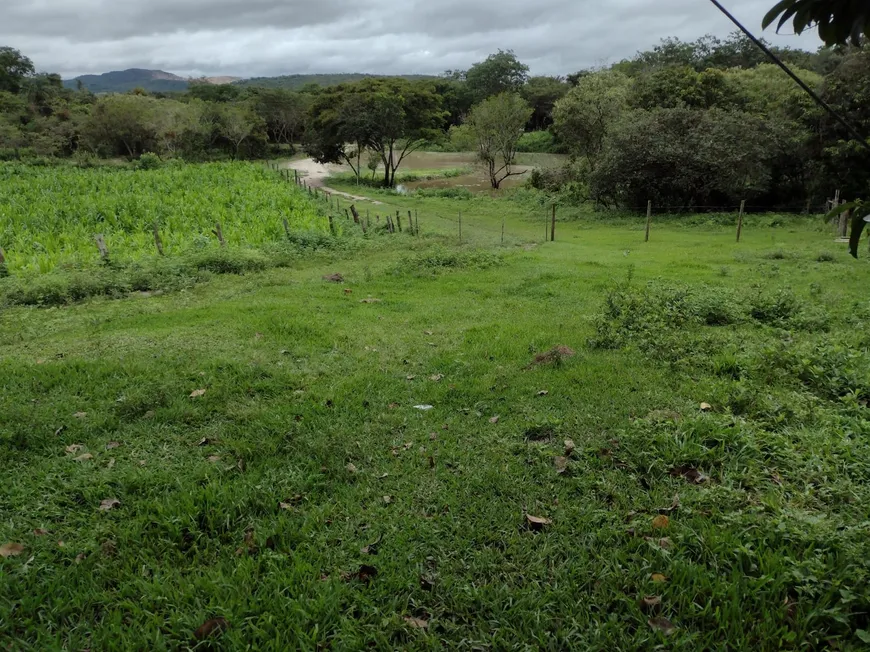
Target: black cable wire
854,132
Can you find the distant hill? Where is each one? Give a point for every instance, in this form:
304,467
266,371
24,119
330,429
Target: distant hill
293,82
159,81
121,81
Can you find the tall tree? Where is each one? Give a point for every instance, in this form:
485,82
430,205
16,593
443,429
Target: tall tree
14,67
391,116
583,117
497,124
502,72
542,93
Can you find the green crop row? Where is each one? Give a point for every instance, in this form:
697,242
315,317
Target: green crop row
49,216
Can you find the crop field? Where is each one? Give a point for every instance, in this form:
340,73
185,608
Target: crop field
49,216
594,443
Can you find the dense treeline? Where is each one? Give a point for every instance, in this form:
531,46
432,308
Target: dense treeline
708,122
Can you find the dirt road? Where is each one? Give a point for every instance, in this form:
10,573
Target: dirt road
316,174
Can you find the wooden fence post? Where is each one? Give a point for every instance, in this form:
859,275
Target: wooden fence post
416,222
157,241
331,225
101,245
219,233
355,214
553,226
740,219
296,173
410,222
399,221
648,218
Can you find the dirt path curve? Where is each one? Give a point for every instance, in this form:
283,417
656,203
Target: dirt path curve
316,175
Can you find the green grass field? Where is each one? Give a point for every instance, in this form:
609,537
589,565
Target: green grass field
260,435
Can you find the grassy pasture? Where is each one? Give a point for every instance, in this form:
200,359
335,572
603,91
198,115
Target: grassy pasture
305,500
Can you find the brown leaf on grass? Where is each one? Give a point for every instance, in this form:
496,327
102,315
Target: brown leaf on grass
40,532
410,377
393,406
197,393
561,464
408,445
388,500
109,548
351,468
543,392
11,550
658,578
84,458
554,356
436,378
214,458
569,447
109,503
662,624
81,557
417,623
333,278
494,419
371,300
537,523
706,407
80,415
59,431
111,445
664,543
660,522
74,448
691,474
111,463
149,414
650,604
205,441
433,436
211,628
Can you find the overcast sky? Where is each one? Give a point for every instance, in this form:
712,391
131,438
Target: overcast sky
271,37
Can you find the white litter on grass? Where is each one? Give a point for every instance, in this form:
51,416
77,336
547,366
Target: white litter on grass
424,407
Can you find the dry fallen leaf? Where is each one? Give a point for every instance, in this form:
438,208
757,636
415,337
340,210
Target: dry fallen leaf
650,604
40,532
214,458
371,300
663,625
436,377
109,503
80,415
11,549
537,523
410,377
149,414
111,463
494,419
417,623
706,407
348,291
210,628
59,431
351,468
561,464
111,445
74,448
197,393
658,578
427,332
660,522
691,474
569,447
84,458
408,446
388,500
543,392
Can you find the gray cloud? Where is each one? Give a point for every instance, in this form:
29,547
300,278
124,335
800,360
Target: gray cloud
271,37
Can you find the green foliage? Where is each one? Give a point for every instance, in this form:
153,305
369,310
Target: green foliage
437,260
682,157
680,86
14,68
500,73
539,142
838,21
542,93
48,217
497,124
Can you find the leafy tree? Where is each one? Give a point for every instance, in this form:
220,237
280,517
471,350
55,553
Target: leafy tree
208,92
502,72
542,93
683,157
238,123
392,117
676,86
283,112
14,68
583,117
497,124
767,91
122,124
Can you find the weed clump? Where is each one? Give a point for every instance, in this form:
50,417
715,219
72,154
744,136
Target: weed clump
439,259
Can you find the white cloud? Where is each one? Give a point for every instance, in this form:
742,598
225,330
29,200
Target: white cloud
272,37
